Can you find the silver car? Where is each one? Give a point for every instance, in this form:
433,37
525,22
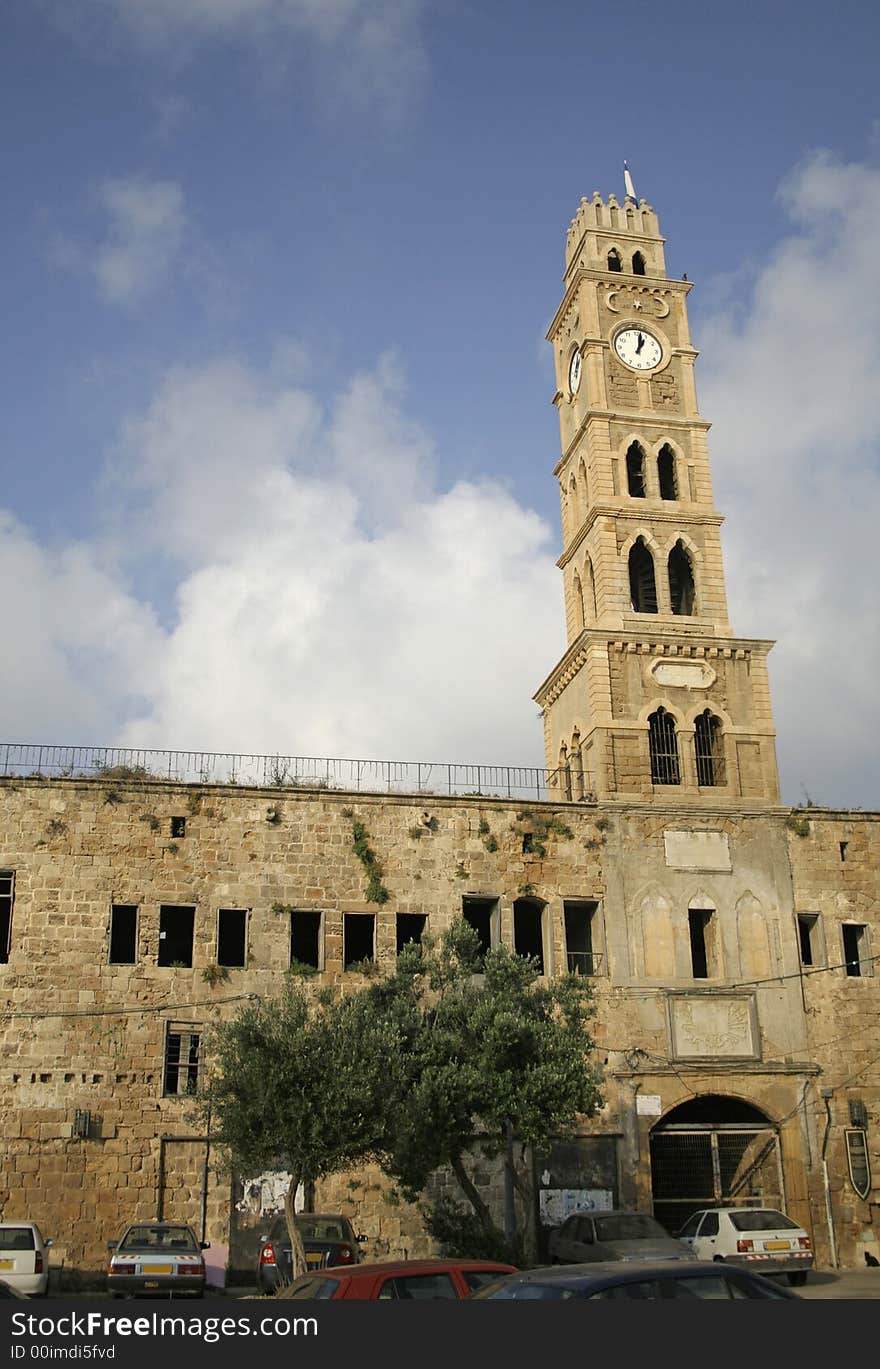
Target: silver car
621,1236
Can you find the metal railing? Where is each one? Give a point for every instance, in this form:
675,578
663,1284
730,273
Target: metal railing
281,772
584,962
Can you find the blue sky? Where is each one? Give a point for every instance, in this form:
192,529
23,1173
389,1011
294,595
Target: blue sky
276,428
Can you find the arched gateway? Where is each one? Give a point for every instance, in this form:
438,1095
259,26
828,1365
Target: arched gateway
714,1151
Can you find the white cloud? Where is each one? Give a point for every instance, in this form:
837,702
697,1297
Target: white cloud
143,231
789,382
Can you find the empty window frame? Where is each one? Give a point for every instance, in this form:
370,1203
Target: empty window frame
358,939
614,261
528,930
305,939
809,929
123,934
701,929
183,1042
7,891
178,827
176,935
855,949
482,914
232,937
642,584
410,927
666,473
638,265
635,471
709,749
682,591
663,746
581,936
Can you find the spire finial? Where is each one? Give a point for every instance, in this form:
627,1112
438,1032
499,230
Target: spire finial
628,182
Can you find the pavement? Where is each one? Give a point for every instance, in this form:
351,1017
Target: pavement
842,1283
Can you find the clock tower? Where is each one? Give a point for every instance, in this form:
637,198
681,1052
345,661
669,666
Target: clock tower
654,699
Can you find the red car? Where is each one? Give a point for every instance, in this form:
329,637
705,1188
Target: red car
407,1279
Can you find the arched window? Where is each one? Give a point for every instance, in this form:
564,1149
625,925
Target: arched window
635,471
590,602
709,748
663,745
578,603
638,264
574,514
614,262
564,772
576,767
681,580
666,473
642,586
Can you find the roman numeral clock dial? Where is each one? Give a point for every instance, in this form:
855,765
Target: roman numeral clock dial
638,349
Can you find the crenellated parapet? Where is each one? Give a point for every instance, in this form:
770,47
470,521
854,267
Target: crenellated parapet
600,226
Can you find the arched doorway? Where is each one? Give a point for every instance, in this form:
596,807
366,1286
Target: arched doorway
714,1151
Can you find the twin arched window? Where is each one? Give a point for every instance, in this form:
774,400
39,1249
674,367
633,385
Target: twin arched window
643,585
615,262
708,749
636,481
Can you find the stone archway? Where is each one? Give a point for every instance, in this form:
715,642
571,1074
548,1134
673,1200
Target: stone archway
714,1151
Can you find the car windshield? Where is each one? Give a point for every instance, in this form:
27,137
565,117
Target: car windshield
762,1219
17,1238
630,1226
159,1238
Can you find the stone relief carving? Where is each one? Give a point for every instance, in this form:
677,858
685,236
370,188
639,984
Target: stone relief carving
717,1026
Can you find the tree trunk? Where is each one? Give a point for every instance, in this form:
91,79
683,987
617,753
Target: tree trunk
472,1194
297,1253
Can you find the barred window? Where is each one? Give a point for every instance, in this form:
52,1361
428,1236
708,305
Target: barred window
663,745
709,749
642,585
635,471
182,1058
682,591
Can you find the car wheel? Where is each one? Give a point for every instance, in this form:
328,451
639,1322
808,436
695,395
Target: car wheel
798,1278
717,1259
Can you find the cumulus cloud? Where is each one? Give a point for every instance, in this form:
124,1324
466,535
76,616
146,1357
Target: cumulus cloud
789,380
144,227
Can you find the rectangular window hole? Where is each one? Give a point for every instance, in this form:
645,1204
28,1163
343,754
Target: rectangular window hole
178,827
528,929
699,925
305,939
410,927
181,1064
7,880
843,846
232,937
482,915
123,934
580,919
358,938
854,948
808,938
176,935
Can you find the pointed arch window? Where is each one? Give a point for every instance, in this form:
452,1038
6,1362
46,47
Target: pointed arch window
709,749
578,603
682,594
666,473
614,262
638,264
590,599
635,471
663,745
564,772
642,585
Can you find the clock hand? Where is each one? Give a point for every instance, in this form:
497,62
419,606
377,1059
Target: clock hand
640,344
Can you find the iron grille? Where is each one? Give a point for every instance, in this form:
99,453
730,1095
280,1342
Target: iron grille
664,748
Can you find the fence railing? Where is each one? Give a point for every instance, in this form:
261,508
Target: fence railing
307,772
584,962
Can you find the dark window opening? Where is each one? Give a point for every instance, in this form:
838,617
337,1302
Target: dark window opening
709,748
528,844
666,473
843,846
123,934
232,937
358,938
7,880
635,471
808,937
410,927
528,930
681,580
176,935
614,262
854,937
305,939
481,914
642,585
858,1114
638,264
580,919
663,745
182,1051
178,827
699,922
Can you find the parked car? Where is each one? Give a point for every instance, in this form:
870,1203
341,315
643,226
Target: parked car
407,1280
640,1279
7,1292
326,1240
157,1258
588,1236
757,1237
24,1258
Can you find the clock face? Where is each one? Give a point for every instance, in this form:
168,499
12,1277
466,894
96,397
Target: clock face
574,371
638,349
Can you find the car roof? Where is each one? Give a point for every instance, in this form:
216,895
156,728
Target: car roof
632,1269
356,1271
747,1207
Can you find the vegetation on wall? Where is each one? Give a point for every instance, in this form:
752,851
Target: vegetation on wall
376,891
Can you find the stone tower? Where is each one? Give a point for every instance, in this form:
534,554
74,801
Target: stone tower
654,697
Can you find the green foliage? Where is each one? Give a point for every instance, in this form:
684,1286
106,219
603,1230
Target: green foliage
172,848
461,1235
298,969
485,831
491,844
417,831
367,967
461,871
376,891
215,974
797,823
602,824
484,828
122,772
152,821
55,827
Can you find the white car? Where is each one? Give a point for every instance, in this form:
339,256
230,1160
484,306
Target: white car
758,1237
24,1258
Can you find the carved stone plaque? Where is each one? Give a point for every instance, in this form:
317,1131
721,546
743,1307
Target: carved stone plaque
697,850
684,674
704,1026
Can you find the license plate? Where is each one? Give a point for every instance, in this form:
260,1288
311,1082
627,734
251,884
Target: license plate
151,1283
777,1245
7,1264
158,1268
314,1260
